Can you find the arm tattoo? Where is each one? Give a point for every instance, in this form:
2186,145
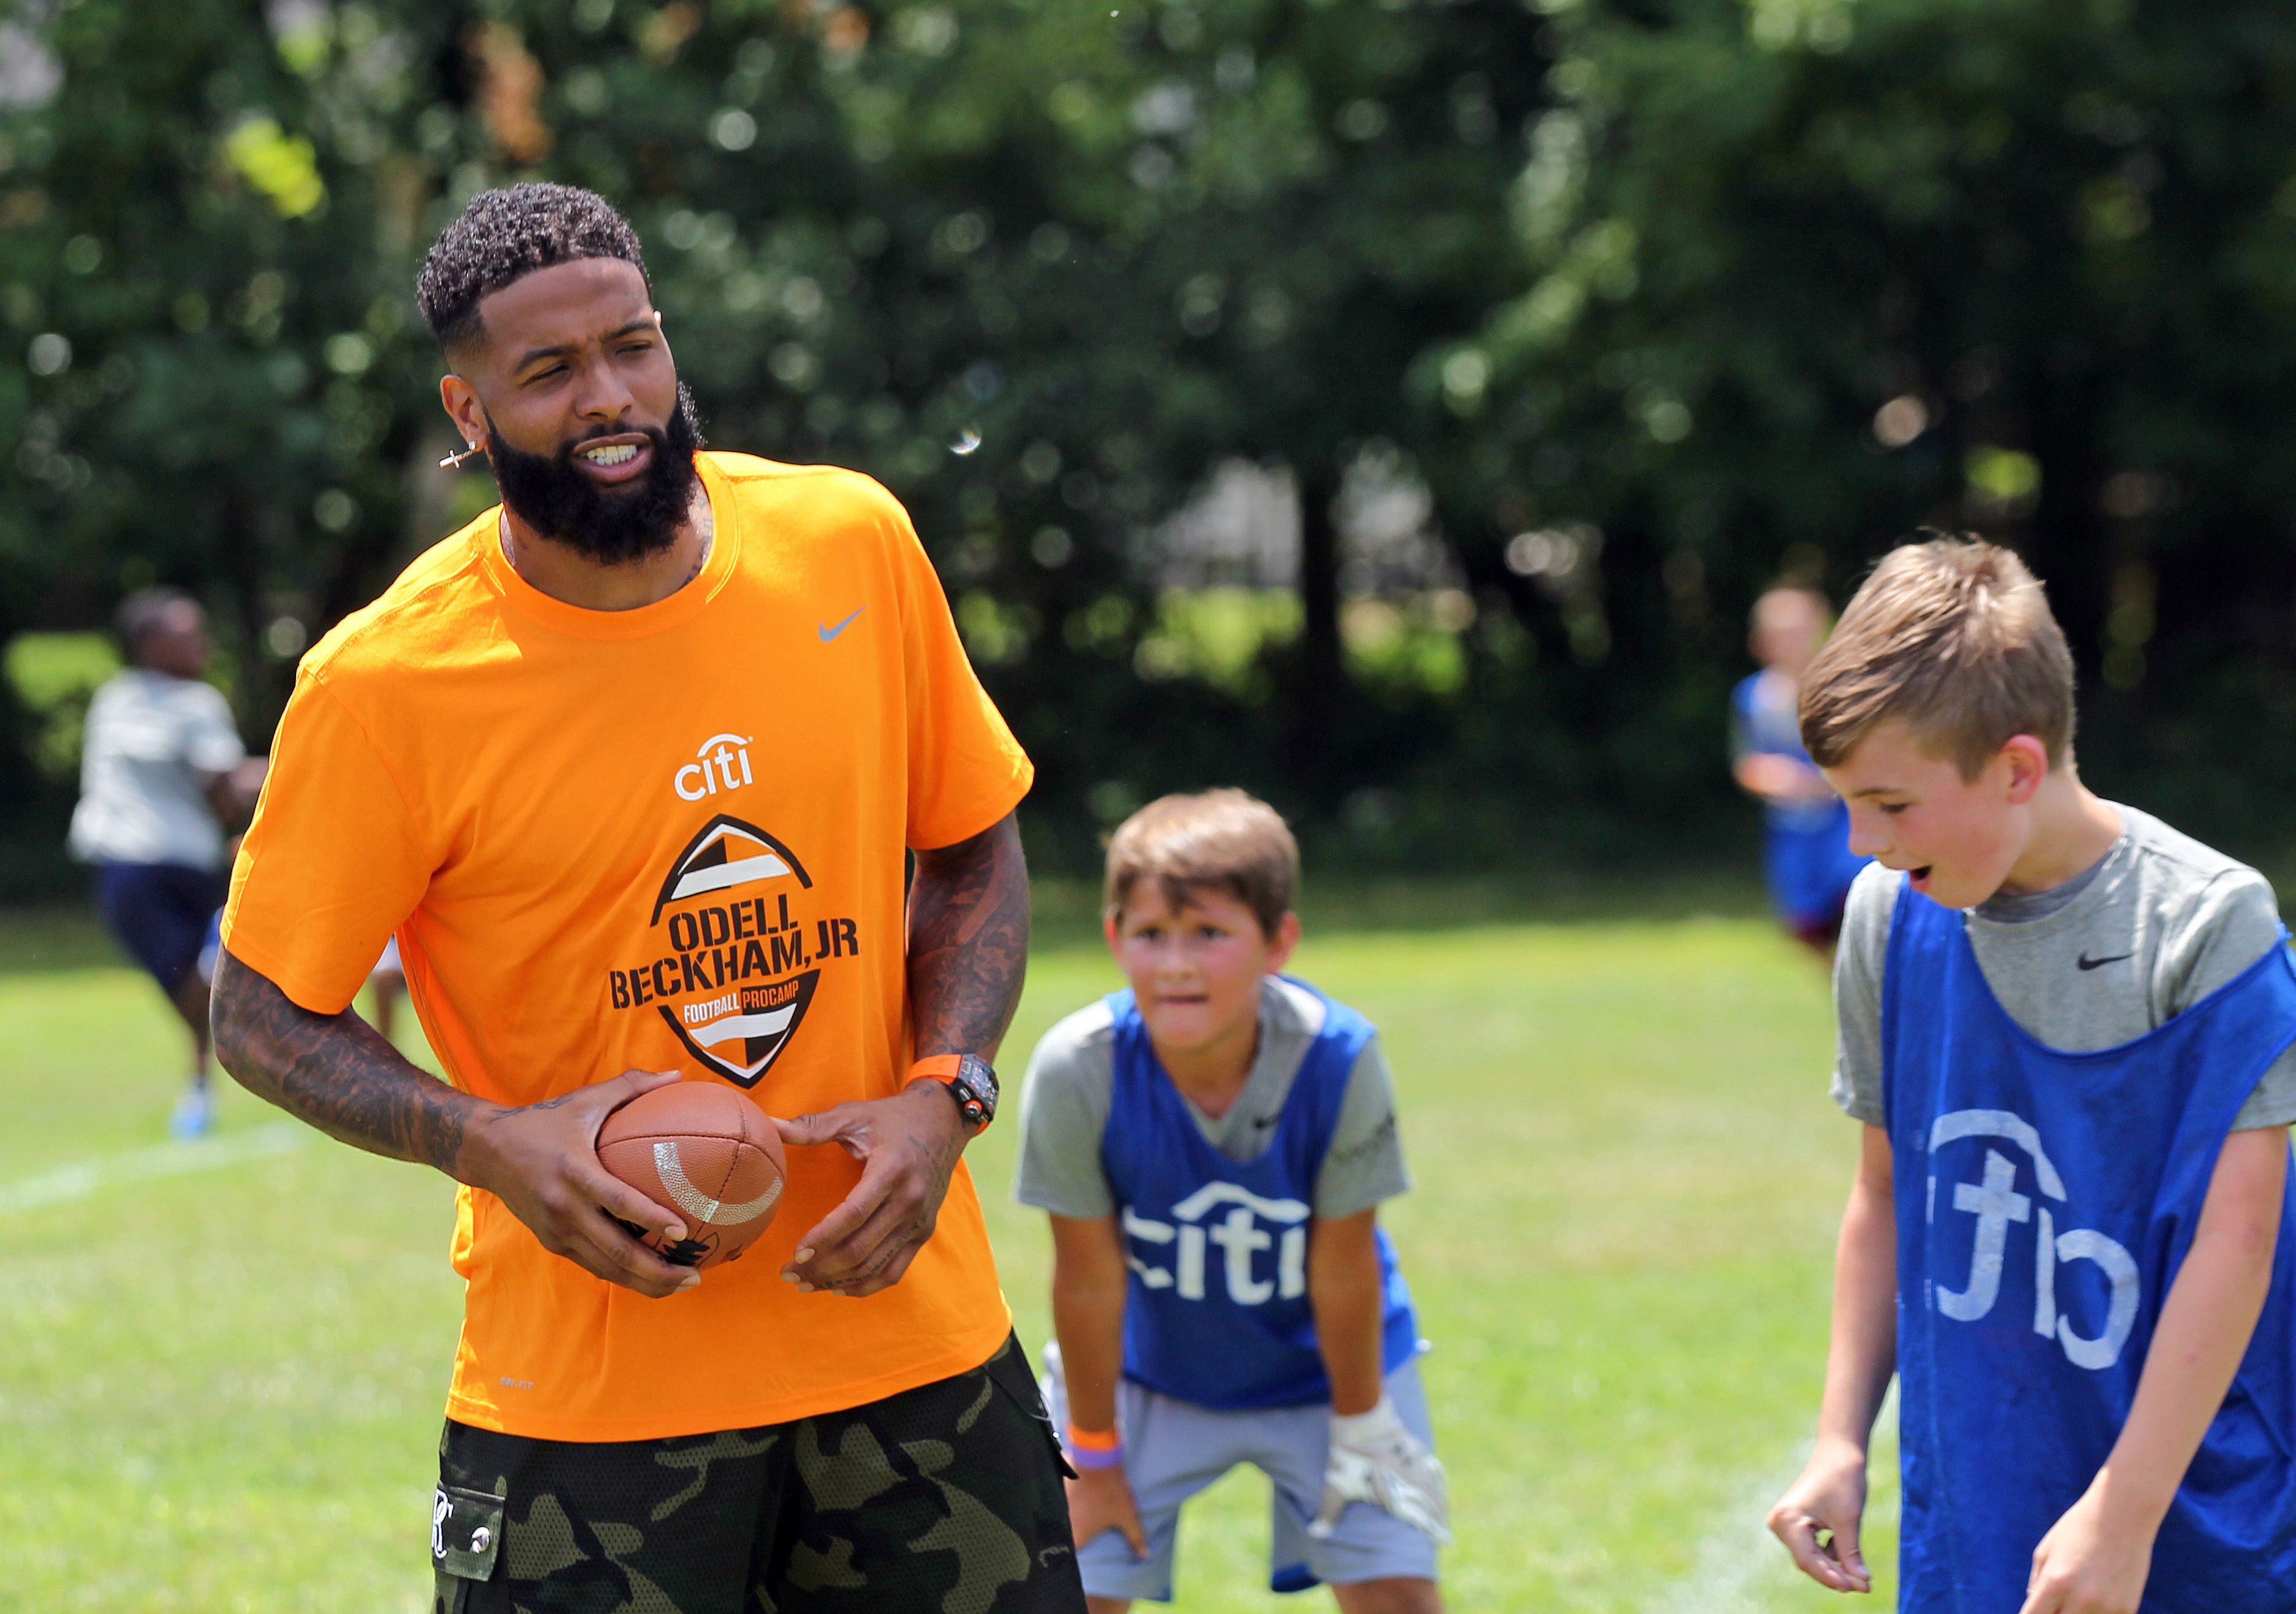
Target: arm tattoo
334,1071
968,941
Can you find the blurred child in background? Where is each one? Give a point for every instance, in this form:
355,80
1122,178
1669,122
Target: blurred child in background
1213,1143
1806,839
163,778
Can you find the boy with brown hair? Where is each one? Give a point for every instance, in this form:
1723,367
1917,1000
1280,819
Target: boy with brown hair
2066,1028
1212,1144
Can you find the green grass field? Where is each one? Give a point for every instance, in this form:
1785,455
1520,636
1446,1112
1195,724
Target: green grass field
221,1368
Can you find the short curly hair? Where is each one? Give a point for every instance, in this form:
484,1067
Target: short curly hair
507,234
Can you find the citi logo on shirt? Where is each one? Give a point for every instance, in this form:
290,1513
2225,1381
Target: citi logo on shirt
1993,1200
722,763
1239,1239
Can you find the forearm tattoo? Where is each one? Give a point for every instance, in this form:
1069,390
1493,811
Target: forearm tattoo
968,942
335,1072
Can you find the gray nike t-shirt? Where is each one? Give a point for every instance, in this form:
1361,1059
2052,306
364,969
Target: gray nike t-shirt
1071,1083
2149,929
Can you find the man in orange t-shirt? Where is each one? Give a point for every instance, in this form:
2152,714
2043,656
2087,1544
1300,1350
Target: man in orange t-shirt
631,767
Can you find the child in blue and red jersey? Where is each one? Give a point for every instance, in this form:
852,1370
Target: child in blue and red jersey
1213,1143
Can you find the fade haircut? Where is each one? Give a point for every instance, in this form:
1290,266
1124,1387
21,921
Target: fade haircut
1221,840
1954,638
141,613
507,234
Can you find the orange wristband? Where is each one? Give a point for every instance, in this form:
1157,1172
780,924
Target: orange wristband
941,1067
1095,1451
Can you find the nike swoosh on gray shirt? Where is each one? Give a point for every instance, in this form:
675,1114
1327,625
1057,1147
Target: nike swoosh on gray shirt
1071,1083
2151,928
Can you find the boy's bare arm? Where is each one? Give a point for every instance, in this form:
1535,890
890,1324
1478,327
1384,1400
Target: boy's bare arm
1088,1289
1350,1301
2095,1559
1830,1497
1089,1283
1374,1456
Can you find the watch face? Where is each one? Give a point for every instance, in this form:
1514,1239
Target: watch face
976,1083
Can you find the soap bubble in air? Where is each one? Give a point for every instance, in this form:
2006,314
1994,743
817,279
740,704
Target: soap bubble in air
965,441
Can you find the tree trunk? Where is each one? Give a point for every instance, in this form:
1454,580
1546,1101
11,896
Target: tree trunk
1322,670
2067,542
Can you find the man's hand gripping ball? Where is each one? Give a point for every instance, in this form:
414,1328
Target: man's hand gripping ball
542,1162
706,1152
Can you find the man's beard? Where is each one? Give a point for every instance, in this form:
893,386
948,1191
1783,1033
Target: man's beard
557,498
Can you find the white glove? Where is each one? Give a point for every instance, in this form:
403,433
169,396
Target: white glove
1375,1459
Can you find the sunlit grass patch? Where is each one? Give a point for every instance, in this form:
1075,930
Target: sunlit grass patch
221,1389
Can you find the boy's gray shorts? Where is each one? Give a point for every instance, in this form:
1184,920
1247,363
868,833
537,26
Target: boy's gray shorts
1173,1449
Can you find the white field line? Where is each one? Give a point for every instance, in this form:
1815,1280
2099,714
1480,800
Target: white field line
1738,1554
82,1178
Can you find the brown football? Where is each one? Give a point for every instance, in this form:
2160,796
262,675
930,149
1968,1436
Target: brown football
706,1153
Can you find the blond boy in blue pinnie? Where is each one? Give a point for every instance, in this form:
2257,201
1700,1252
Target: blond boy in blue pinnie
2067,1030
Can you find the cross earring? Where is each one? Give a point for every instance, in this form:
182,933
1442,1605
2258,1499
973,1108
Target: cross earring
454,462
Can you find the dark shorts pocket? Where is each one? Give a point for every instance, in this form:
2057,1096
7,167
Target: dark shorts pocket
466,1529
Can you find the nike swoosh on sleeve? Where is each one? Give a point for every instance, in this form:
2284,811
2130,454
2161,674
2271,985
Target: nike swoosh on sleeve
829,633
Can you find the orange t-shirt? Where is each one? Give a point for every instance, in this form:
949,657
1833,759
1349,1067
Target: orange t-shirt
665,838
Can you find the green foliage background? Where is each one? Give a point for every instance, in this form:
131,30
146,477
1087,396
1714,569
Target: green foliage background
1657,297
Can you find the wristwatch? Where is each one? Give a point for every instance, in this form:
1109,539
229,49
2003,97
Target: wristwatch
969,1080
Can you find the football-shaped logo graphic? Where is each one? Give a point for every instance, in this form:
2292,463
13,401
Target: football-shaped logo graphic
727,854
744,968
740,1035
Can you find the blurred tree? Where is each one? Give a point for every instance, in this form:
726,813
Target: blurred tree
1269,212
1041,269
1656,300
204,272
1810,274
201,280
1037,267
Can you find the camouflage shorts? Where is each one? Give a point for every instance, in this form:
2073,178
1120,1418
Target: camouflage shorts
945,1499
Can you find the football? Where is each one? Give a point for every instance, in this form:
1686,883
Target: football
706,1153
